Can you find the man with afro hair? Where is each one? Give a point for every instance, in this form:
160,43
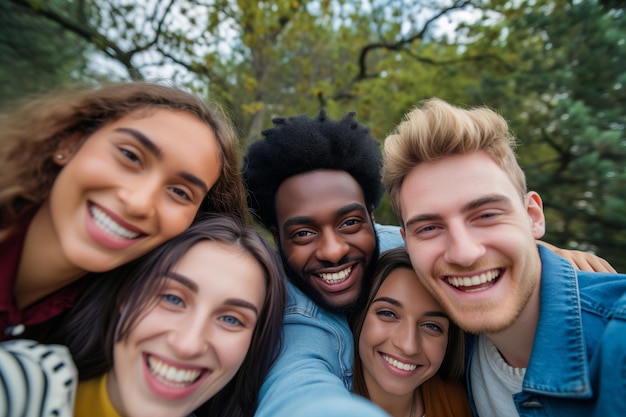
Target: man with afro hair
314,183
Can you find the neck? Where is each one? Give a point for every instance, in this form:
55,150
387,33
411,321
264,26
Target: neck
410,405
515,343
43,268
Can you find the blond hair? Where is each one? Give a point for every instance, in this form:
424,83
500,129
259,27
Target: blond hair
435,130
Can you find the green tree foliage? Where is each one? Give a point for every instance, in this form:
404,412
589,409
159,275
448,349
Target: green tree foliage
36,54
566,99
265,58
554,68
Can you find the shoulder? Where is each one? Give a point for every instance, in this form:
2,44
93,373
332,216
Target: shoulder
301,310
389,236
602,293
39,379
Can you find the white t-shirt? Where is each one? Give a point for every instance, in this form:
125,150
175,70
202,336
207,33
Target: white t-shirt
494,381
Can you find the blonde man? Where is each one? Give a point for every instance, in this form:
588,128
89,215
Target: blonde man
549,340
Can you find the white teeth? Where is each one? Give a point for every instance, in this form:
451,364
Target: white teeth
400,365
109,225
336,277
474,280
171,376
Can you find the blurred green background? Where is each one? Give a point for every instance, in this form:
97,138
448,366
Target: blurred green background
556,70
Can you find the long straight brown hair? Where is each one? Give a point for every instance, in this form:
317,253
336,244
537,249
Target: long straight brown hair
453,365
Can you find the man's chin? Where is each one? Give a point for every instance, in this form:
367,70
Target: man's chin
340,308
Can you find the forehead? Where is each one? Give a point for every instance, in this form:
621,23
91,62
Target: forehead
245,276
451,182
317,192
403,285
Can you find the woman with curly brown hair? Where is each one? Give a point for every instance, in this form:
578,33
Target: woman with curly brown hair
95,178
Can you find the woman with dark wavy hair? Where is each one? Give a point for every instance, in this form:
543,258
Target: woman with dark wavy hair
91,179
195,324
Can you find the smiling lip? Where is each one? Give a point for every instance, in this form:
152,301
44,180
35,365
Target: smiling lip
339,279
477,282
172,380
333,278
110,230
399,367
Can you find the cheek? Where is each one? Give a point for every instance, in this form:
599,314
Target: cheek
436,349
153,323
296,256
418,256
372,334
366,242
127,367
174,218
233,351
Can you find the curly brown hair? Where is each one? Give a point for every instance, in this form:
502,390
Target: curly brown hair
30,135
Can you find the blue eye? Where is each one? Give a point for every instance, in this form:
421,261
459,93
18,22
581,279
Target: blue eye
232,321
172,299
434,327
388,314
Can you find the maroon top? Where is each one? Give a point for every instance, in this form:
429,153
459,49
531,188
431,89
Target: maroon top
13,321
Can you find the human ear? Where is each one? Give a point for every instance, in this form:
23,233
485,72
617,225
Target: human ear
534,208
66,148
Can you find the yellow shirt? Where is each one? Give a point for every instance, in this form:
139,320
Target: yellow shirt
92,399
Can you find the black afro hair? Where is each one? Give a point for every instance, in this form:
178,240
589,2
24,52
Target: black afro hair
300,144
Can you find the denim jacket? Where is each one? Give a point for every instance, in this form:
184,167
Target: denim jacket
578,363
313,373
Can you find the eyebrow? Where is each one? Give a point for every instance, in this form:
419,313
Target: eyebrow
156,151
307,219
472,205
397,303
184,281
145,141
193,287
238,302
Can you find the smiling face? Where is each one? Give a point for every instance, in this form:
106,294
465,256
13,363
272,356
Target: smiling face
132,185
326,236
471,239
193,341
404,336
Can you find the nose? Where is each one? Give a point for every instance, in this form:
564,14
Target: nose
332,247
463,249
407,339
189,339
140,198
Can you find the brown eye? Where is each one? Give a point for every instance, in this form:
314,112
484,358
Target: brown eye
130,155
